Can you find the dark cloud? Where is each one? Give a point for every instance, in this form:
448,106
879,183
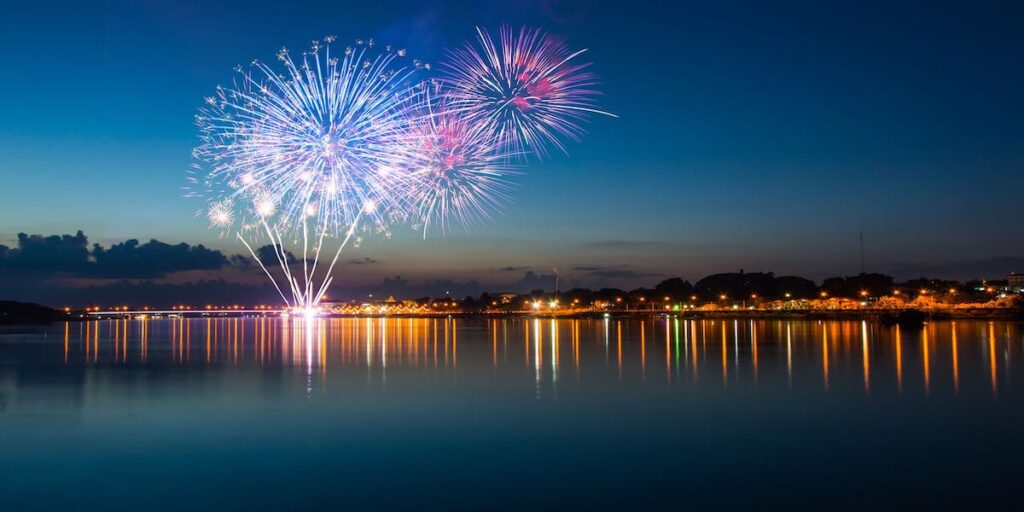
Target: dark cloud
620,271
153,259
362,261
533,281
513,269
624,274
71,256
55,253
267,254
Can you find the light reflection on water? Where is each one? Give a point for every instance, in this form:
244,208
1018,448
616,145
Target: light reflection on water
610,412
673,351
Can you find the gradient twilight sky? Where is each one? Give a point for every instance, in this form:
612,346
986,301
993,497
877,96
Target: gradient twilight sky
756,135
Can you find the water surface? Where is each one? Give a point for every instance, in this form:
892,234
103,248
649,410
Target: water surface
509,413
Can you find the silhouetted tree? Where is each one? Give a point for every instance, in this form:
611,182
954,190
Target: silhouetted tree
675,288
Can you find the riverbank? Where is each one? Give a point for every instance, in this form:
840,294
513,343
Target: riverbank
883,315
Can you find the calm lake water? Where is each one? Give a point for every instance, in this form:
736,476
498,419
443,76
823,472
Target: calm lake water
509,413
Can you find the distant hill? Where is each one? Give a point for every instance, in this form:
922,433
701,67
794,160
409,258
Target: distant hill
25,313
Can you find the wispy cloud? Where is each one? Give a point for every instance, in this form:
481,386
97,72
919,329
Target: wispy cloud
625,244
620,271
514,269
363,261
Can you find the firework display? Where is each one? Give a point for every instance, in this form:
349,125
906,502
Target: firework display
322,149
528,91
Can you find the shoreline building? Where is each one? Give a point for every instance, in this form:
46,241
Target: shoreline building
1015,282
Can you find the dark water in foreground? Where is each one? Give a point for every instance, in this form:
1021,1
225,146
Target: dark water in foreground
487,414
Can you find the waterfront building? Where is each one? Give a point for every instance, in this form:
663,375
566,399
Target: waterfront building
1015,282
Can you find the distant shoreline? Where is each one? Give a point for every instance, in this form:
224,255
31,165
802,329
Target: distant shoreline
873,314
22,313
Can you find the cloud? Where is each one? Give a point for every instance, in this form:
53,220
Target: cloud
70,256
625,244
620,271
533,281
362,261
624,274
584,268
58,253
153,259
514,269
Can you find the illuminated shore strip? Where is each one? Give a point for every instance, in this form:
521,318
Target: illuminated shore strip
185,311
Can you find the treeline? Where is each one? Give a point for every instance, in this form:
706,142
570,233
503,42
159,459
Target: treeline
746,287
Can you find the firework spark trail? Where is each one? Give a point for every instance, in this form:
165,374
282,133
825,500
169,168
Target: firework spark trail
528,91
272,280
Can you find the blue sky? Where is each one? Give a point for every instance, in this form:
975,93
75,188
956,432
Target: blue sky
750,134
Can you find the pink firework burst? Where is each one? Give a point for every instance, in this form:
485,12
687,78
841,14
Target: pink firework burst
529,92
460,176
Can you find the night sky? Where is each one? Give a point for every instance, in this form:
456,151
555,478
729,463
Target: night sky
753,136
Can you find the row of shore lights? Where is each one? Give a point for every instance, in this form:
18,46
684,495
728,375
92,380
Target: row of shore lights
67,309
863,293
532,304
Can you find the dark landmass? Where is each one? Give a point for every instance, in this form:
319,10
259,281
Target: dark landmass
26,313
